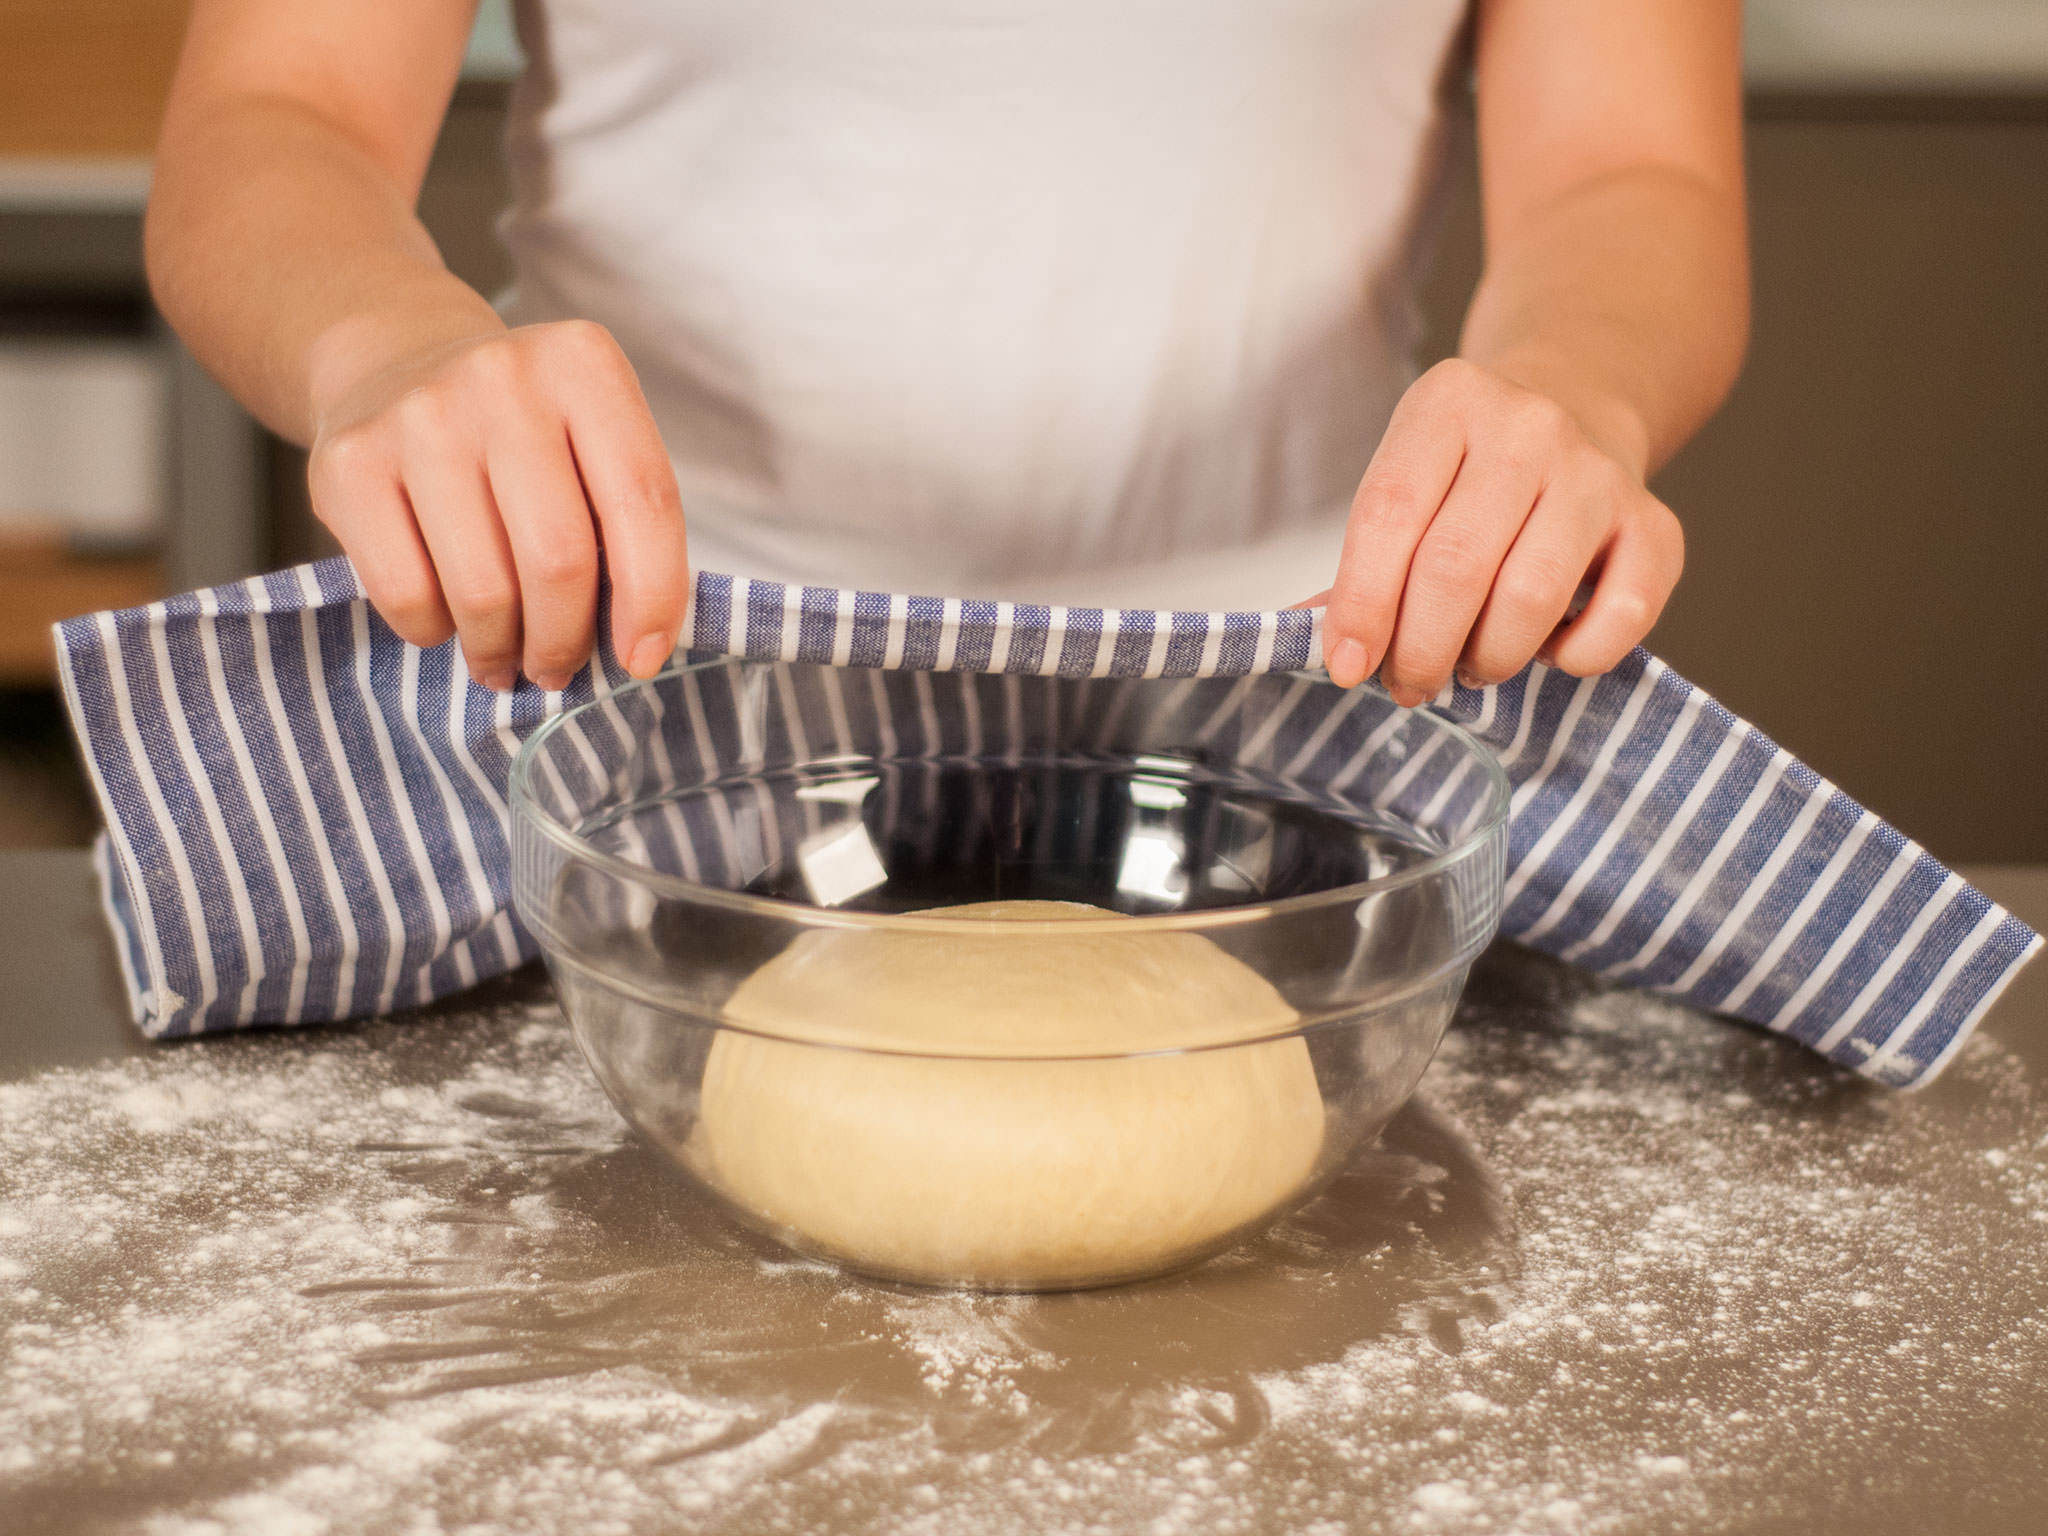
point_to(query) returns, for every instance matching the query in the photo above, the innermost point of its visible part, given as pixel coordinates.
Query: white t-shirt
(1070, 300)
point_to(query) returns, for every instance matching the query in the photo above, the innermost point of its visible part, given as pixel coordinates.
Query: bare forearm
(290, 261)
(468, 470)
(1626, 300)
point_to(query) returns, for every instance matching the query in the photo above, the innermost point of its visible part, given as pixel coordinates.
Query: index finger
(1411, 472)
(631, 487)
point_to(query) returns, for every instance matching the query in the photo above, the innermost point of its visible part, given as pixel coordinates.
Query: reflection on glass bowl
(790, 913)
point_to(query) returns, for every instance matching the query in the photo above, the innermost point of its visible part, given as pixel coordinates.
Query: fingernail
(553, 682)
(1467, 680)
(503, 680)
(1546, 657)
(1347, 663)
(649, 655)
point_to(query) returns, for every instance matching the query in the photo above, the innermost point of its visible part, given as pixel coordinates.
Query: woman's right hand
(470, 471)
(473, 481)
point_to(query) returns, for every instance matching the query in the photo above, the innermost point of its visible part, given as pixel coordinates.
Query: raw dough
(1031, 1171)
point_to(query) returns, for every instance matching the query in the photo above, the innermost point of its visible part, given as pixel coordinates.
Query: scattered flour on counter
(1626, 1268)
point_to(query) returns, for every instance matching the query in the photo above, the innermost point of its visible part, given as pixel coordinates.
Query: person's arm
(1609, 323)
(467, 469)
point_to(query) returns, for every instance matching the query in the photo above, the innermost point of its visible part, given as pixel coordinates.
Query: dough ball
(1038, 1172)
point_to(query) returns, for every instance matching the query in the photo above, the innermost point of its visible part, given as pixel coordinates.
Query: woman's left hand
(1485, 507)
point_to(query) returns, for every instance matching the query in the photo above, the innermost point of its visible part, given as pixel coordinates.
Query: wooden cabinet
(42, 581)
(82, 86)
(85, 77)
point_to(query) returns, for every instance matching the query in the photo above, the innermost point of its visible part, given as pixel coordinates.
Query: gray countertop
(1620, 1267)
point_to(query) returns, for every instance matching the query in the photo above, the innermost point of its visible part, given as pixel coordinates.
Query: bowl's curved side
(1185, 1160)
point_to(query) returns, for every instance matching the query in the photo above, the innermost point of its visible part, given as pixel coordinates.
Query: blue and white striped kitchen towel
(292, 793)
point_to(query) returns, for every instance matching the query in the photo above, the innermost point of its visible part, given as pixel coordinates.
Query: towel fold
(306, 817)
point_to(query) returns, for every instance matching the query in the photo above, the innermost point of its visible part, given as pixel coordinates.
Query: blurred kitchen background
(1868, 518)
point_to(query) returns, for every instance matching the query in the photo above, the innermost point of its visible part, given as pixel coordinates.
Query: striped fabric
(767, 621)
(307, 817)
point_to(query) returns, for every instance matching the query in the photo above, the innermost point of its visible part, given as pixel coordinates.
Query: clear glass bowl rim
(525, 808)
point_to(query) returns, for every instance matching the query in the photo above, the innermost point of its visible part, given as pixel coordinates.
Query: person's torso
(944, 291)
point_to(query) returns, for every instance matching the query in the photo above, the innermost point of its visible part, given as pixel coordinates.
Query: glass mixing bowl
(1260, 899)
